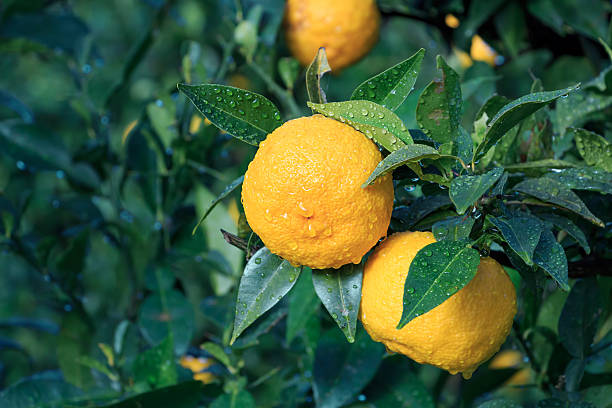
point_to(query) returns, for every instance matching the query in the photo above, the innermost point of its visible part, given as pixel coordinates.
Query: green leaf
(226, 191)
(538, 166)
(453, 228)
(165, 313)
(91, 362)
(574, 371)
(391, 87)
(376, 122)
(551, 191)
(512, 28)
(569, 227)
(288, 70)
(579, 318)
(550, 256)
(341, 369)
(437, 272)
(74, 340)
(266, 279)
(513, 113)
(600, 396)
(38, 151)
(303, 304)
(155, 366)
(39, 391)
(521, 232)
(217, 352)
(340, 292)
(396, 385)
(183, 395)
(243, 114)
(584, 178)
(419, 209)
(499, 403)
(575, 110)
(407, 154)
(239, 399)
(465, 190)
(492, 105)
(315, 71)
(595, 150)
(439, 108)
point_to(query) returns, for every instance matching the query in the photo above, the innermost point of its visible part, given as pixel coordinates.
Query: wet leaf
(579, 318)
(391, 87)
(155, 367)
(584, 178)
(556, 193)
(226, 191)
(407, 154)
(437, 272)
(396, 385)
(521, 232)
(419, 209)
(513, 113)
(340, 292)
(315, 71)
(439, 108)
(595, 150)
(550, 256)
(376, 122)
(245, 115)
(453, 228)
(266, 279)
(164, 313)
(568, 226)
(465, 190)
(303, 304)
(538, 166)
(575, 110)
(341, 369)
(491, 106)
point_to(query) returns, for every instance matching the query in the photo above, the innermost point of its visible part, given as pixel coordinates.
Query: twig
(138, 52)
(284, 95)
(525, 347)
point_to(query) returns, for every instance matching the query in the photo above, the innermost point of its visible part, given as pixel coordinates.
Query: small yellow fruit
(464, 59)
(512, 359)
(451, 21)
(458, 335)
(196, 365)
(346, 28)
(195, 123)
(302, 193)
(481, 51)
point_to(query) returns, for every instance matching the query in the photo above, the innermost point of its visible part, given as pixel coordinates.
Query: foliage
(115, 186)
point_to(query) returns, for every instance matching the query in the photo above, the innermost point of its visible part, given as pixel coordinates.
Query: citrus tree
(331, 204)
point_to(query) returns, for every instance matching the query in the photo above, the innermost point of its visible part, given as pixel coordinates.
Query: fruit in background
(348, 29)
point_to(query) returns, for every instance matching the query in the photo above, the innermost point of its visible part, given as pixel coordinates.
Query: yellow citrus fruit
(451, 21)
(463, 57)
(512, 359)
(346, 28)
(302, 193)
(481, 51)
(459, 334)
(196, 365)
